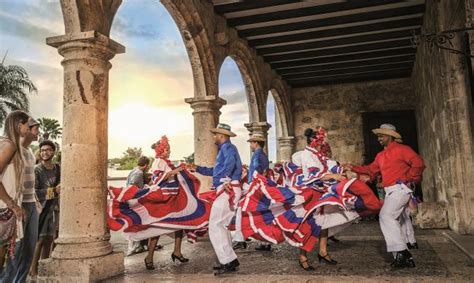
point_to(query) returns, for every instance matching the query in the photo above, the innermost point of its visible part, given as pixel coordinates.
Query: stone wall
(444, 115)
(339, 109)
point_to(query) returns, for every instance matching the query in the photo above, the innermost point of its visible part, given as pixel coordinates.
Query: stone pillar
(206, 116)
(432, 215)
(285, 148)
(261, 128)
(83, 252)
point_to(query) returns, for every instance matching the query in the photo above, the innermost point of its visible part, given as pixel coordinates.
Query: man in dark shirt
(137, 178)
(47, 179)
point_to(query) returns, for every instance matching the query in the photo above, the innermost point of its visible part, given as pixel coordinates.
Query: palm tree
(15, 85)
(50, 128)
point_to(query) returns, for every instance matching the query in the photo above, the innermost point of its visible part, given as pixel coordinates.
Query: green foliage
(189, 159)
(129, 159)
(50, 128)
(15, 86)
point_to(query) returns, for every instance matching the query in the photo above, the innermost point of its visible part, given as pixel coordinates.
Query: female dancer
(318, 200)
(169, 204)
(162, 171)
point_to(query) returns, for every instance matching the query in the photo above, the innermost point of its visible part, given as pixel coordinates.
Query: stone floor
(361, 255)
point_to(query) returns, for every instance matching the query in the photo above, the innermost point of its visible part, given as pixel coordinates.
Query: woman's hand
(18, 211)
(177, 170)
(173, 173)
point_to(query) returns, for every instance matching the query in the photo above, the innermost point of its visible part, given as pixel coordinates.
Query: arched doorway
(235, 112)
(149, 83)
(272, 116)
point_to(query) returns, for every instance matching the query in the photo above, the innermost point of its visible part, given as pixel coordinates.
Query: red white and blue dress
(299, 209)
(168, 205)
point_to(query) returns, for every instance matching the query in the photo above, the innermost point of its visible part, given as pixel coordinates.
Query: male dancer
(259, 163)
(226, 176)
(398, 164)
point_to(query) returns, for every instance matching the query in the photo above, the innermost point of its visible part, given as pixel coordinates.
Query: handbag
(7, 225)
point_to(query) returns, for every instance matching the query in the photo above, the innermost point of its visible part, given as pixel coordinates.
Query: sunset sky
(148, 84)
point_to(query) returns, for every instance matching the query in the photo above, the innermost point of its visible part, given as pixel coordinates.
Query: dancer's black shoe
(403, 259)
(326, 259)
(413, 246)
(228, 267)
(305, 265)
(262, 247)
(240, 246)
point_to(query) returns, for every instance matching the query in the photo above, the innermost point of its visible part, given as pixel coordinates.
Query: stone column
(83, 251)
(206, 116)
(285, 148)
(261, 128)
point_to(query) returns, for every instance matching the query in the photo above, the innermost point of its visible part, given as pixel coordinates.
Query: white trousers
(237, 235)
(395, 220)
(407, 226)
(220, 218)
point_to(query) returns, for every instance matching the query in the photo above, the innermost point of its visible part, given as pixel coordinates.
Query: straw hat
(389, 130)
(256, 137)
(223, 129)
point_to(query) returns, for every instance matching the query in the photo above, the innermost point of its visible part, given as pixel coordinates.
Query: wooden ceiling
(319, 42)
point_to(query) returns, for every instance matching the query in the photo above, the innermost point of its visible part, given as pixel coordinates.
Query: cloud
(14, 26)
(128, 28)
(49, 82)
(237, 97)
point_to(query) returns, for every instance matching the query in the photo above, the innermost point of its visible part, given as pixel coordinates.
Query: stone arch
(242, 56)
(198, 46)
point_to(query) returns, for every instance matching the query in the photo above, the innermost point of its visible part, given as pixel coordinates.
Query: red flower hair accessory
(161, 145)
(320, 138)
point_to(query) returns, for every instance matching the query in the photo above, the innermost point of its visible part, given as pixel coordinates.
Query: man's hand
(364, 178)
(339, 177)
(191, 167)
(58, 189)
(228, 187)
(348, 166)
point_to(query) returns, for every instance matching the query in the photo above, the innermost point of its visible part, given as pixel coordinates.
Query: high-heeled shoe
(308, 268)
(181, 258)
(326, 260)
(149, 265)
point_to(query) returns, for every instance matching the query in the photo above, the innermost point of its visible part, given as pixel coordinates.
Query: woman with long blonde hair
(11, 170)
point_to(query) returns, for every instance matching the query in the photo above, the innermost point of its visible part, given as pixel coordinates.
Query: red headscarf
(161, 146)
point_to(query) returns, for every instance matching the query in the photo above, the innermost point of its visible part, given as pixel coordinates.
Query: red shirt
(397, 162)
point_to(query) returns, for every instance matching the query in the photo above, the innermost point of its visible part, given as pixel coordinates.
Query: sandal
(149, 265)
(327, 259)
(181, 258)
(308, 267)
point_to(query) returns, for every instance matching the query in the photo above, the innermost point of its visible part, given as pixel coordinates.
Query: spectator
(47, 180)
(19, 265)
(11, 169)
